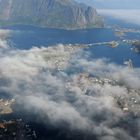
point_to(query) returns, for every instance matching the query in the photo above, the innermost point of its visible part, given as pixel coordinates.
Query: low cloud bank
(3, 35)
(61, 86)
(129, 16)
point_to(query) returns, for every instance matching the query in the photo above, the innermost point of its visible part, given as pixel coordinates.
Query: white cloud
(129, 16)
(3, 35)
(70, 100)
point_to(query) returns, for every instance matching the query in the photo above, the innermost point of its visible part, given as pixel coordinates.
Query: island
(64, 14)
(136, 45)
(6, 106)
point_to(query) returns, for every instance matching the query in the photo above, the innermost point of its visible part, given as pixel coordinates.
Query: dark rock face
(50, 13)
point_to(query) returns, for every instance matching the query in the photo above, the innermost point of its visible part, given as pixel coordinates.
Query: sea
(26, 37)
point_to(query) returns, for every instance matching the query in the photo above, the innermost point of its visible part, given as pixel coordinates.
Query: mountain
(66, 14)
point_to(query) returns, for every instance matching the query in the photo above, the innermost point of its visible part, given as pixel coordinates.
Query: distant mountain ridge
(66, 14)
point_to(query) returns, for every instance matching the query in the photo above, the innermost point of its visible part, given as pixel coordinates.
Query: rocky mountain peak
(66, 14)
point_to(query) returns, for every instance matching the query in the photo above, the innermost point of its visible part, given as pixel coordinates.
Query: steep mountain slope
(50, 13)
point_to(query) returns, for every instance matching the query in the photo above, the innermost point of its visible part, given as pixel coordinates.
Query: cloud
(129, 16)
(60, 86)
(3, 35)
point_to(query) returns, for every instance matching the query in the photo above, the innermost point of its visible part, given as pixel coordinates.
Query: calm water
(118, 55)
(25, 37)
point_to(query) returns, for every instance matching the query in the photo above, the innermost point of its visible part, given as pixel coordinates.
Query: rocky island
(136, 45)
(66, 14)
(6, 106)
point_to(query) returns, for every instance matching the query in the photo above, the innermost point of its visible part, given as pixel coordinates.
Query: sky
(113, 4)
